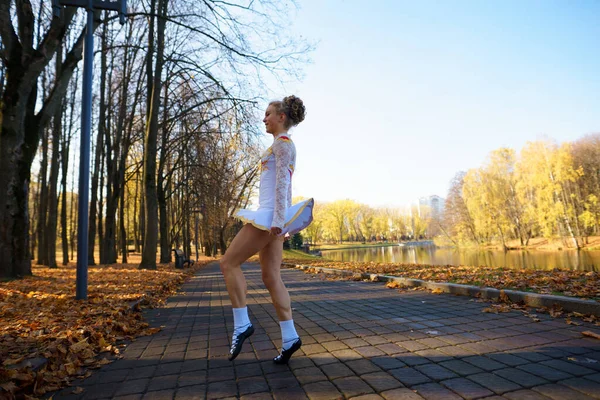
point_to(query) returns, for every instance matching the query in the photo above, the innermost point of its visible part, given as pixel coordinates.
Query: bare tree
(51, 223)
(22, 126)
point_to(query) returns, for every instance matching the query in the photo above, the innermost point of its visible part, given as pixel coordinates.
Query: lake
(582, 260)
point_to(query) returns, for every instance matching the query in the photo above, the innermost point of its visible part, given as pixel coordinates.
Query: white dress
(275, 207)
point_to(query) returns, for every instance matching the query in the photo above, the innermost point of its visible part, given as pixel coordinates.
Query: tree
(337, 217)
(586, 155)
(297, 241)
(21, 126)
(51, 223)
(314, 232)
(457, 217)
(547, 174)
(151, 136)
(203, 62)
(491, 198)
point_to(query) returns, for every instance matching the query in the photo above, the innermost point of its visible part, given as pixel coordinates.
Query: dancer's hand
(275, 231)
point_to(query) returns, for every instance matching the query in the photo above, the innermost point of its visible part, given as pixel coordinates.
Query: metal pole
(84, 166)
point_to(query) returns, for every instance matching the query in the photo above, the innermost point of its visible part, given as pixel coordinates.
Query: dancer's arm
(283, 150)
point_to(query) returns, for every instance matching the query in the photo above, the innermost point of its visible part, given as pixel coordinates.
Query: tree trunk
(32, 236)
(16, 155)
(207, 248)
(15, 261)
(63, 202)
(51, 224)
(43, 203)
(196, 233)
(65, 168)
(20, 126)
(136, 235)
(150, 148)
(100, 202)
(123, 234)
(97, 160)
(165, 251)
(142, 216)
(222, 244)
(74, 206)
(108, 246)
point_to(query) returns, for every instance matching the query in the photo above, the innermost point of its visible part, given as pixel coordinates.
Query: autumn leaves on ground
(40, 320)
(567, 283)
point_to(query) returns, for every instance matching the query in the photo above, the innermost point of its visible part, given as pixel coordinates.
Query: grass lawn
(297, 254)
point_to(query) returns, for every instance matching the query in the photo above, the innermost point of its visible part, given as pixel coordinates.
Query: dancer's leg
(246, 243)
(270, 263)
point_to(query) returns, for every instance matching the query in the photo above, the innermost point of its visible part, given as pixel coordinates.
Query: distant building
(435, 204)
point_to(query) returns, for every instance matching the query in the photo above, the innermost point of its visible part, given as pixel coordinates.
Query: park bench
(181, 259)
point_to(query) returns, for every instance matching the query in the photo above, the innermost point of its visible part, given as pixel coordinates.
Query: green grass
(297, 254)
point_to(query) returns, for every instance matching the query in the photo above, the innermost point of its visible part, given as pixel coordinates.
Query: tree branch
(25, 18)
(7, 31)
(62, 81)
(51, 41)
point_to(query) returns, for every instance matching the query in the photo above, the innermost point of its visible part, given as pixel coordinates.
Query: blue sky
(401, 95)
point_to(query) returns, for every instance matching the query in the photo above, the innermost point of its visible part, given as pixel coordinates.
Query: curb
(568, 304)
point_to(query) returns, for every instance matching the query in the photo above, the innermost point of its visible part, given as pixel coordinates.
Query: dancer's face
(273, 120)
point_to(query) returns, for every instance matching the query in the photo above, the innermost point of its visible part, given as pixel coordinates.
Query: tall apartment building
(435, 203)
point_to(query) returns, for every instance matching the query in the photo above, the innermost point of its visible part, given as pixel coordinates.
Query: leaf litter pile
(47, 338)
(560, 282)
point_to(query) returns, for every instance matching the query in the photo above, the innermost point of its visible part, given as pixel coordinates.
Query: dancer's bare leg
(270, 265)
(246, 243)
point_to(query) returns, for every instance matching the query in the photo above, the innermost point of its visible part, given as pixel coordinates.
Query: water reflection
(533, 259)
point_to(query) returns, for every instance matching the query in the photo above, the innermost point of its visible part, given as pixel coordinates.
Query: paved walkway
(361, 341)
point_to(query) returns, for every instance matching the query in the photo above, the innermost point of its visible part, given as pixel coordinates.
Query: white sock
(288, 334)
(240, 320)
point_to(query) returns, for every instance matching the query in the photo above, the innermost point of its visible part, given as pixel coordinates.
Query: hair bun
(295, 109)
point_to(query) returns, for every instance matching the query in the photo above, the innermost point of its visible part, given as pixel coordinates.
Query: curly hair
(293, 108)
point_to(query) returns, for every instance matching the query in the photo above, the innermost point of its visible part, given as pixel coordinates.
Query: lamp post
(86, 121)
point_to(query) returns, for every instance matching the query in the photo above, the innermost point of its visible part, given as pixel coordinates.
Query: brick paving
(361, 341)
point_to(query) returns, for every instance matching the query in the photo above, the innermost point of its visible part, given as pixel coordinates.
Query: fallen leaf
(12, 361)
(43, 326)
(591, 334)
(556, 311)
(10, 387)
(24, 377)
(78, 390)
(79, 346)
